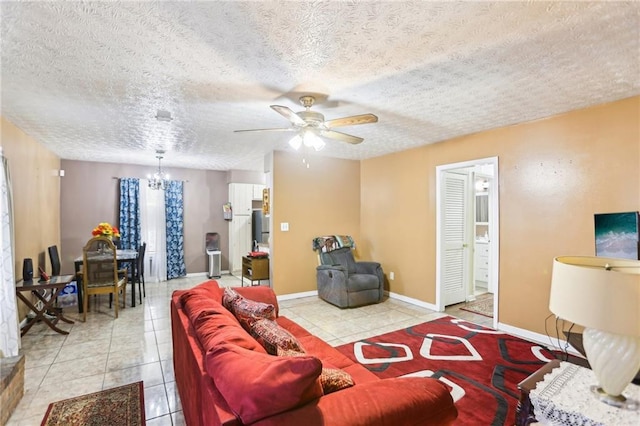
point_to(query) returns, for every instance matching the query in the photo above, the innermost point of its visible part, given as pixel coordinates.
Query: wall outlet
(392, 275)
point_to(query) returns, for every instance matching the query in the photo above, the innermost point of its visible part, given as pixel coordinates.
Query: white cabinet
(239, 241)
(257, 192)
(481, 261)
(240, 196)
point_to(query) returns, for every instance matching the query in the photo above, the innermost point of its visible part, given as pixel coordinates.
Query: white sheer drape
(9, 328)
(154, 232)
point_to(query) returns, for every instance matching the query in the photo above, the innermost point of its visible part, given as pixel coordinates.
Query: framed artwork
(617, 235)
(265, 201)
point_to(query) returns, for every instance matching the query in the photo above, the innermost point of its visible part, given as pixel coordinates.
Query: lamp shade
(597, 292)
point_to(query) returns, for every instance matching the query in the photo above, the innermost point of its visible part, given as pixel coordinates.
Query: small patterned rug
(122, 406)
(482, 307)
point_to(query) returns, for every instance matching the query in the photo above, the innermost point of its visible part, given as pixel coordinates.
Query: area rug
(481, 307)
(122, 406)
(482, 367)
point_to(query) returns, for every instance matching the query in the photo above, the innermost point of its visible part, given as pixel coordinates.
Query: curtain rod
(177, 180)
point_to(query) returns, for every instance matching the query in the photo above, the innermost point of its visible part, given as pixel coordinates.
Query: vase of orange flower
(105, 229)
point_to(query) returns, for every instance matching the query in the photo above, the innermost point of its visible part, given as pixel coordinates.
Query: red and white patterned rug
(481, 366)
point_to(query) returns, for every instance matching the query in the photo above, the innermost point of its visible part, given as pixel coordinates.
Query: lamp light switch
(284, 226)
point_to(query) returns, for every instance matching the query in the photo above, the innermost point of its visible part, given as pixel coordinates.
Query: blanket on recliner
(329, 243)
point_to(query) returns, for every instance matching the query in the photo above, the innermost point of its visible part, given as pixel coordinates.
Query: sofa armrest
(331, 268)
(367, 267)
(388, 402)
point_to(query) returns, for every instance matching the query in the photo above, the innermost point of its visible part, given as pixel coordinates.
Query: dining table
(123, 256)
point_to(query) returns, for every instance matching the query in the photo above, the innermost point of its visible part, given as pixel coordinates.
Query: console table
(55, 284)
(255, 269)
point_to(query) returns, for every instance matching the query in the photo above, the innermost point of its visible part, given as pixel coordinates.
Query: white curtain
(9, 328)
(154, 232)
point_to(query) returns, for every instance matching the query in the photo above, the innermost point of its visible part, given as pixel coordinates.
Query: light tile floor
(103, 352)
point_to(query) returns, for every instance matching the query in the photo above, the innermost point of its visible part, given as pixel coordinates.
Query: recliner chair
(346, 283)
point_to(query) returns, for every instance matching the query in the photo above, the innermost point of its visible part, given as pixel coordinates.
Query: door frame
(494, 229)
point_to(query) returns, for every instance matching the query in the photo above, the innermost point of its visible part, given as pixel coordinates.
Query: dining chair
(54, 257)
(100, 274)
(143, 250)
(138, 277)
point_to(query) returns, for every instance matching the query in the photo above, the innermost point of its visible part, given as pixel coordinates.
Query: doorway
(467, 233)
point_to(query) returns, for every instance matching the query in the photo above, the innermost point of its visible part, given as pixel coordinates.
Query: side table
(561, 395)
(55, 284)
(524, 409)
(255, 269)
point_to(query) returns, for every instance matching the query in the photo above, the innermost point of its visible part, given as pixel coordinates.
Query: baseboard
(196, 274)
(204, 274)
(389, 294)
(411, 300)
(541, 339)
(297, 295)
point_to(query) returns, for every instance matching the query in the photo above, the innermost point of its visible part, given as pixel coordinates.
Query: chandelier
(159, 178)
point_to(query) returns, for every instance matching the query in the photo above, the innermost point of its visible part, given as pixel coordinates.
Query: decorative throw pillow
(257, 385)
(289, 352)
(332, 379)
(229, 297)
(247, 311)
(273, 337)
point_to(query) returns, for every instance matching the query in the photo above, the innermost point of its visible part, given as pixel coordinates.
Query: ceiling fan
(311, 125)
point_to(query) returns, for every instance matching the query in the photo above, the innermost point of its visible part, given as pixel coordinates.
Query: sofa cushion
(206, 290)
(216, 326)
(271, 336)
(245, 310)
(258, 385)
(196, 306)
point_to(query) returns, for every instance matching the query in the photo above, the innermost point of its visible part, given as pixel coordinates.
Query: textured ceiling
(87, 78)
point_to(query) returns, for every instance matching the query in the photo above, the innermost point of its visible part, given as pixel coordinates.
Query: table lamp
(603, 295)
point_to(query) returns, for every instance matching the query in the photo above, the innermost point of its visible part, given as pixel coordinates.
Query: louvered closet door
(455, 271)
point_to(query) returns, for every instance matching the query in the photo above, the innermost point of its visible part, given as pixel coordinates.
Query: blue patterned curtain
(130, 213)
(174, 206)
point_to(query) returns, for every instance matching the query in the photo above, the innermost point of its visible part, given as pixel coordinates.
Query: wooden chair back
(100, 272)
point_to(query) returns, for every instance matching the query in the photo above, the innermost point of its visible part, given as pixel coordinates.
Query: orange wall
(321, 200)
(554, 175)
(36, 198)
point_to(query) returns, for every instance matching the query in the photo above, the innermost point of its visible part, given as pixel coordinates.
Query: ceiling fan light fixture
(295, 142)
(312, 140)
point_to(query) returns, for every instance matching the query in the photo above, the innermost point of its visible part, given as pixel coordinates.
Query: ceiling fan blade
(339, 136)
(288, 113)
(267, 130)
(351, 121)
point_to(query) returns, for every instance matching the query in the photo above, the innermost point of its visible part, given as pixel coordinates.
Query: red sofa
(203, 331)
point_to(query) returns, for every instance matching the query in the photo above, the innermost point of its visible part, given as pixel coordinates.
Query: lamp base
(619, 401)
